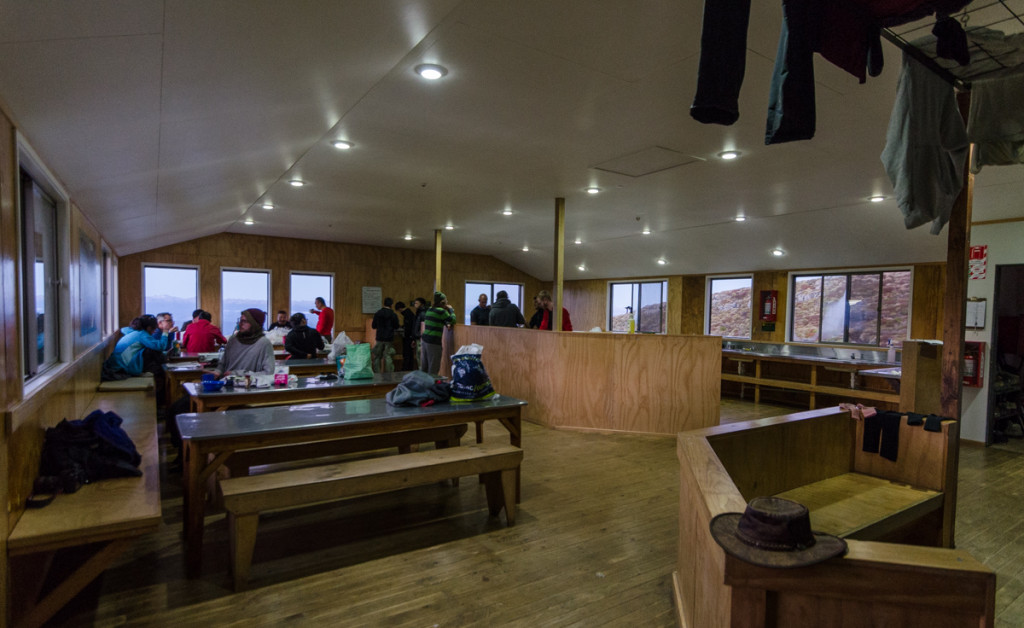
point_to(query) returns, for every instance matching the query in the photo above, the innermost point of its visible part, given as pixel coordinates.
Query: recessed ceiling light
(581, 267)
(506, 212)
(661, 261)
(876, 198)
(431, 71)
(297, 183)
(741, 218)
(593, 190)
(249, 221)
(341, 144)
(408, 236)
(778, 252)
(577, 241)
(525, 248)
(267, 206)
(646, 231)
(729, 154)
(449, 227)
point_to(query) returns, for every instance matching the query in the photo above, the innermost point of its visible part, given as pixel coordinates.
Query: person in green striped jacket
(434, 322)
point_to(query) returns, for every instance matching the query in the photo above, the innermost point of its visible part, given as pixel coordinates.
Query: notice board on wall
(373, 299)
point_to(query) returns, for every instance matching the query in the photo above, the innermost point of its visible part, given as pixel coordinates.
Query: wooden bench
(246, 497)
(107, 515)
(816, 458)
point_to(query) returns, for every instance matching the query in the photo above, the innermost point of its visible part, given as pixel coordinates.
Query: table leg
(194, 508)
(514, 425)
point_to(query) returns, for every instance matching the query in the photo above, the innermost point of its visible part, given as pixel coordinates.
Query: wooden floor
(594, 545)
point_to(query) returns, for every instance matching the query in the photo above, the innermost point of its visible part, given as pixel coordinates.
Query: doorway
(1005, 393)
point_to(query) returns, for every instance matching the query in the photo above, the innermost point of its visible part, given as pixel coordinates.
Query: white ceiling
(169, 120)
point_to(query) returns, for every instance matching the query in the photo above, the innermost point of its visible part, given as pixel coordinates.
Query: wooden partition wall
(615, 382)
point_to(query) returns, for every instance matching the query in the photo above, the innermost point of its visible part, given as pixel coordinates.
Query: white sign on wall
(373, 299)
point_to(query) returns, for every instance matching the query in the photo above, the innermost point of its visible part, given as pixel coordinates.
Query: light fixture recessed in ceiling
(729, 154)
(431, 71)
(249, 221)
(408, 236)
(342, 144)
(740, 219)
(593, 190)
(878, 198)
(577, 241)
(449, 227)
(526, 248)
(646, 231)
(778, 252)
(298, 183)
(662, 261)
(506, 212)
(267, 206)
(581, 267)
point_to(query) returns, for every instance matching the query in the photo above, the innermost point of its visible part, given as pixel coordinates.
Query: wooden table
(308, 390)
(178, 373)
(309, 366)
(184, 356)
(209, 439)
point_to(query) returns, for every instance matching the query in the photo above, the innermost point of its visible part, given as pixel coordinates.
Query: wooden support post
(437, 260)
(556, 292)
(955, 306)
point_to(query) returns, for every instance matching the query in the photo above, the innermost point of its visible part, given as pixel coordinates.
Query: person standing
(202, 336)
(325, 318)
(385, 321)
(421, 312)
(249, 349)
(408, 335)
(547, 305)
(505, 313)
(435, 319)
(302, 342)
(481, 313)
(538, 314)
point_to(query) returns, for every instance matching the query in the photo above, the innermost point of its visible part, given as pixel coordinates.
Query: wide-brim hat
(774, 532)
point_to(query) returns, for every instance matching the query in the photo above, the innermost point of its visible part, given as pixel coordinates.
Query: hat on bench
(774, 532)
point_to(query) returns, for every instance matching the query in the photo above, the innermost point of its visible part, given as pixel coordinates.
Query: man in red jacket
(546, 306)
(202, 336)
(325, 318)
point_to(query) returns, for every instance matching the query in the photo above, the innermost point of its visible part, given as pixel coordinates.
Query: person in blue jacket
(130, 356)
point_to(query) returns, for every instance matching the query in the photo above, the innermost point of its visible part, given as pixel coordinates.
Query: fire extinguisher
(970, 366)
(769, 305)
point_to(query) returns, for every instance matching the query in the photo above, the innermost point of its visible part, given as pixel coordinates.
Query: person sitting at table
(167, 329)
(139, 351)
(302, 342)
(282, 321)
(202, 336)
(248, 349)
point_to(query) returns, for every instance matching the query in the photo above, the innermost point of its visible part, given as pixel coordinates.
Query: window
(41, 277)
(729, 306)
(241, 290)
(863, 308)
(108, 274)
(647, 300)
(173, 289)
(306, 287)
(475, 288)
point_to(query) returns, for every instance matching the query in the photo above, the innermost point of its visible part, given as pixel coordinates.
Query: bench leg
(242, 531)
(501, 492)
(445, 444)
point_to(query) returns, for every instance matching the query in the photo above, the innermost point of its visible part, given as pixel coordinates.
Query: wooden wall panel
(929, 295)
(10, 366)
(770, 280)
(616, 382)
(587, 302)
(691, 306)
(403, 274)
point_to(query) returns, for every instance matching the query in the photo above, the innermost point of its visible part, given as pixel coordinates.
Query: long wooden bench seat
(246, 497)
(108, 515)
(816, 458)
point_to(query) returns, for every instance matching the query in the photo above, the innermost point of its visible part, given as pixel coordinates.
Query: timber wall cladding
(10, 386)
(403, 274)
(633, 383)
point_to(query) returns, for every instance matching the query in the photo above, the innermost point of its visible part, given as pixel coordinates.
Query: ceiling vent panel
(646, 161)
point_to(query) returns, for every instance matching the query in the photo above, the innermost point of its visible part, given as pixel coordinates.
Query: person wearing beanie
(434, 321)
(249, 349)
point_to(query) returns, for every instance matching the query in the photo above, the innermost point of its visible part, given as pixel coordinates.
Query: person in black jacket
(408, 335)
(302, 342)
(385, 321)
(504, 312)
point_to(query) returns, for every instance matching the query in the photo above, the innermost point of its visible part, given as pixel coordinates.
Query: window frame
(270, 288)
(490, 297)
(329, 296)
(849, 273)
(29, 162)
(636, 314)
(146, 265)
(707, 302)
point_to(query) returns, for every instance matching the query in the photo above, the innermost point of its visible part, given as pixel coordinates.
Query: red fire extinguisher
(769, 305)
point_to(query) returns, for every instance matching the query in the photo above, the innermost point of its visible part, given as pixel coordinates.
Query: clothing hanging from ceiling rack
(996, 121)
